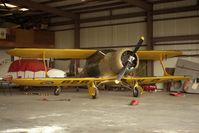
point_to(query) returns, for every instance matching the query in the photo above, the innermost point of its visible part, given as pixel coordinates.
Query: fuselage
(106, 63)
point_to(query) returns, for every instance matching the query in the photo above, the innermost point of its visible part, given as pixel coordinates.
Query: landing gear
(25, 88)
(57, 91)
(137, 91)
(93, 90)
(96, 94)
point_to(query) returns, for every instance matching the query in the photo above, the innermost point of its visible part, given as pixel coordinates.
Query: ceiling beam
(103, 18)
(89, 3)
(176, 38)
(105, 8)
(140, 3)
(129, 15)
(97, 6)
(44, 8)
(74, 4)
(165, 1)
(52, 1)
(88, 9)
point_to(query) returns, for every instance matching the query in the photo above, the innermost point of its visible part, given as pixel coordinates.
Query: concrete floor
(110, 113)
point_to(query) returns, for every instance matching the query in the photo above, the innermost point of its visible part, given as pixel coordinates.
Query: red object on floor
(150, 87)
(44, 99)
(134, 102)
(177, 94)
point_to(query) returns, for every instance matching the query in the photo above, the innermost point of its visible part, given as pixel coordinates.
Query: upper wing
(157, 54)
(83, 53)
(153, 80)
(51, 53)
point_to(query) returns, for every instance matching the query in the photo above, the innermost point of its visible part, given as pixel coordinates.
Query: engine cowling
(113, 62)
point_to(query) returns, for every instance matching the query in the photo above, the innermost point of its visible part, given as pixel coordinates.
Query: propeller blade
(138, 44)
(121, 74)
(124, 68)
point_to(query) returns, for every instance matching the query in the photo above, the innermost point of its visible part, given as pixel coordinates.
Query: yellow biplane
(102, 67)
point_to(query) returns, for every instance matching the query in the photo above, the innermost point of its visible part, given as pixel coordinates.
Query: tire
(137, 91)
(96, 94)
(57, 91)
(24, 88)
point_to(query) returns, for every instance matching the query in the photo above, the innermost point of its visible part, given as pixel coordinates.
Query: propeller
(129, 61)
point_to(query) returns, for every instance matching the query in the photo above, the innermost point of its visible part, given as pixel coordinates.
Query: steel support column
(149, 40)
(77, 42)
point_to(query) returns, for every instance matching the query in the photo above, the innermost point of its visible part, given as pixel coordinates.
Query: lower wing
(57, 81)
(85, 81)
(153, 80)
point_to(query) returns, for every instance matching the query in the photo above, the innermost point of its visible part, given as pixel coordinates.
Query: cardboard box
(184, 64)
(187, 68)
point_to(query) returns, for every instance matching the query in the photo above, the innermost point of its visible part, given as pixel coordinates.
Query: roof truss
(140, 3)
(44, 8)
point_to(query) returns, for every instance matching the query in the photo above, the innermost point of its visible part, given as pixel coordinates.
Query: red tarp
(26, 65)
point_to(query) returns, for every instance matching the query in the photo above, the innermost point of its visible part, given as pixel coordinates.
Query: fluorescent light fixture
(8, 5)
(23, 9)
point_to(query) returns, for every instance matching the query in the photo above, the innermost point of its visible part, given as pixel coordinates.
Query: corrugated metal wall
(120, 34)
(64, 39)
(176, 27)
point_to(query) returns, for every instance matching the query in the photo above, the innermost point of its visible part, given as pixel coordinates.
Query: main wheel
(137, 91)
(96, 94)
(57, 91)
(24, 88)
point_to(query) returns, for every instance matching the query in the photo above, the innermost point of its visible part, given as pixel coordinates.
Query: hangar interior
(101, 24)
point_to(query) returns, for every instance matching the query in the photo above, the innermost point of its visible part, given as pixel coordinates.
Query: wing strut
(163, 67)
(44, 58)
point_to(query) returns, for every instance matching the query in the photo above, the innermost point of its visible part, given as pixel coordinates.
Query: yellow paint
(57, 81)
(152, 80)
(44, 58)
(86, 81)
(91, 88)
(51, 53)
(157, 54)
(89, 82)
(139, 87)
(163, 67)
(83, 53)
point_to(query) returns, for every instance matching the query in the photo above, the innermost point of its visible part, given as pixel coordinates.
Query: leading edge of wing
(57, 81)
(86, 80)
(158, 79)
(51, 53)
(157, 54)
